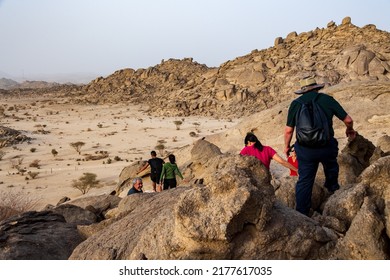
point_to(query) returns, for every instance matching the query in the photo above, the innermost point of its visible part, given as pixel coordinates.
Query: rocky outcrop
(235, 203)
(231, 212)
(382, 148)
(9, 136)
(37, 236)
(337, 55)
(354, 158)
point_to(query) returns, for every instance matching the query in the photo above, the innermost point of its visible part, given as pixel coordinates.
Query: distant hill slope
(7, 83)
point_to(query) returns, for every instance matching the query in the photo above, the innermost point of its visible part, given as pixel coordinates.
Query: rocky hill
(7, 83)
(337, 55)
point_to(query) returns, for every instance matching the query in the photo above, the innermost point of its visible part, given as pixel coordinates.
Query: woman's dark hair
(172, 159)
(250, 137)
(292, 148)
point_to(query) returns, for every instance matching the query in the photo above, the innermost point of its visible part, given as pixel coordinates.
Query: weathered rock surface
(354, 158)
(210, 221)
(231, 212)
(37, 236)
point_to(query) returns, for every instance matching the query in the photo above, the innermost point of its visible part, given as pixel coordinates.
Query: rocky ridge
(337, 55)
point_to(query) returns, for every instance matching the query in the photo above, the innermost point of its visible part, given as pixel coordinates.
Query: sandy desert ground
(126, 132)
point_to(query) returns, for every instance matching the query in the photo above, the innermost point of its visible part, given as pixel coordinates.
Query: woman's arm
(177, 171)
(283, 162)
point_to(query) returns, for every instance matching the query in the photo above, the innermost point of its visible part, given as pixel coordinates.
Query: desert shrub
(16, 162)
(160, 148)
(14, 203)
(178, 124)
(117, 158)
(32, 175)
(193, 134)
(54, 152)
(35, 163)
(77, 145)
(99, 155)
(21, 170)
(86, 182)
(40, 129)
(33, 150)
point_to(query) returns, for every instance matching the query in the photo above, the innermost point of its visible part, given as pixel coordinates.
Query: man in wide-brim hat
(310, 157)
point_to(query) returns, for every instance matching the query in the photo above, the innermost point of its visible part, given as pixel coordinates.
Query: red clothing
(293, 163)
(264, 156)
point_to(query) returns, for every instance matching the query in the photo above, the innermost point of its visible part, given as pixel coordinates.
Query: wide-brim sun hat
(308, 84)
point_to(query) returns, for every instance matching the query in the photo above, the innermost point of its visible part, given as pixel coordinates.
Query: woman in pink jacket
(265, 154)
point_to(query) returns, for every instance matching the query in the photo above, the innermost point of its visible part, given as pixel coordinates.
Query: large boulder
(37, 236)
(128, 173)
(285, 192)
(382, 148)
(288, 235)
(366, 238)
(354, 158)
(376, 178)
(76, 215)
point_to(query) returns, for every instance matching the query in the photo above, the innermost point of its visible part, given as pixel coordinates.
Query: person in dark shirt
(309, 157)
(137, 186)
(156, 165)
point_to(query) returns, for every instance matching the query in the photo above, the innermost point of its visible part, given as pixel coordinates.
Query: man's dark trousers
(308, 161)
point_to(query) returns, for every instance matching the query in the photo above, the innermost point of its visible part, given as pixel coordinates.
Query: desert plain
(124, 133)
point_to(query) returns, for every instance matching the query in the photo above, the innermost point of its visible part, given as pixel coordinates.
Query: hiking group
(162, 174)
(310, 116)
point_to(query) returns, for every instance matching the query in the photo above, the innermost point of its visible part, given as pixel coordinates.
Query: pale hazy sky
(44, 38)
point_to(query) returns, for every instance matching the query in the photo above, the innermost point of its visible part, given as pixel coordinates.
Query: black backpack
(311, 123)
